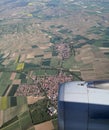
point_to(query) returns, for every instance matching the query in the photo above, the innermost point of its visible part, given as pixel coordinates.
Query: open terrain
(45, 126)
(47, 42)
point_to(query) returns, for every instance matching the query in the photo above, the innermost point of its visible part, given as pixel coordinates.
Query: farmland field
(13, 126)
(20, 66)
(4, 103)
(23, 123)
(4, 82)
(44, 43)
(18, 113)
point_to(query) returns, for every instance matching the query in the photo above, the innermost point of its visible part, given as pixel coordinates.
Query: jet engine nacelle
(83, 105)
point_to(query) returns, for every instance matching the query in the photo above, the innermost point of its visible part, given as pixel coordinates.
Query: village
(44, 86)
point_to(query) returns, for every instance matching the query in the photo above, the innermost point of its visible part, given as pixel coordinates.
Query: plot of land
(3, 103)
(13, 75)
(4, 82)
(45, 126)
(17, 81)
(32, 100)
(47, 55)
(95, 64)
(1, 118)
(20, 66)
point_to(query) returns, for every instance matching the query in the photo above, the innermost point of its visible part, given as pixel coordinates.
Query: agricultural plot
(12, 126)
(13, 90)
(107, 54)
(15, 113)
(17, 59)
(88, 75)
(21, 100)
(39, 72)
(10, 29)
(70, 63)
(46, 62)
(20, 66)
(23, 123)
(32, 99)
(7, 102)
(95, 30)
(31, 128)
(17, 75)
(23, 78)
(51, 72)
(29, 66)
(45, 126)
(95, 64)
(40, 109)
(13, 75)
(4, 82)
(4, 103)
(55, 62)
(25, 120)
(103, 36)
(17, 81)
(11, 65)
(42, 72)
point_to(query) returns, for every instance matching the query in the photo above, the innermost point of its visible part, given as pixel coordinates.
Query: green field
(70, 63)
(55, 62)
(39, 72)
(42, 72)
(51, 72)
(13, 90)
(23, 123)
(21, 100)
(16, 27)
(12, 65)
(39, 111)
(23, 78)
(25, 120)
(18, 112)
(7, 102)
(13, 126)
(4, 82)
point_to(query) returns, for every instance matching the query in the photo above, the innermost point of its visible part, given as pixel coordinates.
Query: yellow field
(3, 103)
(29, 15)
(20, 66)
(30, 4)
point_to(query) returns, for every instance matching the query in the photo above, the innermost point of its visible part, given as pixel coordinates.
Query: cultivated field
(95, 63)
(45, 126)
